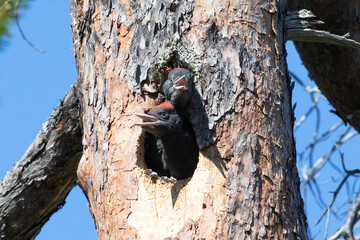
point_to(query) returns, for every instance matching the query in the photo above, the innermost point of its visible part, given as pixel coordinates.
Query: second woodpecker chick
(178, 88)
(180, 150)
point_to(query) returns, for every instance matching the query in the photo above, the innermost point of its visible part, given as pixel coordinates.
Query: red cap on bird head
(162, 105)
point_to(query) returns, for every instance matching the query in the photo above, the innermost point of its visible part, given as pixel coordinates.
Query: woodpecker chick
(180, 150)
(178, 88)
(153, 155)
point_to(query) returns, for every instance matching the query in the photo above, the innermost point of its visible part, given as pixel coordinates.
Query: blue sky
(32, 84)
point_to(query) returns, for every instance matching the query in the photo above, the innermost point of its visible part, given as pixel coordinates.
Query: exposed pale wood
(39, 182)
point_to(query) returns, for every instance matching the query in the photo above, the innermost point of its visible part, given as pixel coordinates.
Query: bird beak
(148, 119)
(181, 84)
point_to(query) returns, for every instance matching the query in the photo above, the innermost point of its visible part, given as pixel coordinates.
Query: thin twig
(341, 207)
(346, 231)
(306, 115)
(21, 31)
(318, 197)
(334, 198)
(327, 224)
(321, 161)
(354, 187)
(307, 88)
(328, 208)
(309, 174)
(315, 100)
(324, 135)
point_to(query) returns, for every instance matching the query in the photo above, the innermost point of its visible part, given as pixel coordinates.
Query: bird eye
(164, 115)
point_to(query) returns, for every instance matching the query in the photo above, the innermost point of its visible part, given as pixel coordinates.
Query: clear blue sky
(32, 84)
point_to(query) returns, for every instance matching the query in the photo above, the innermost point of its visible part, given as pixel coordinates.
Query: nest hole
(153, 156)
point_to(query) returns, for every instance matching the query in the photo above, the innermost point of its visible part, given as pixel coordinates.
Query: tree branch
(39, 182)
(346, 231)
(300, 28)
(334, 68)
(16, 17)
(315, 168)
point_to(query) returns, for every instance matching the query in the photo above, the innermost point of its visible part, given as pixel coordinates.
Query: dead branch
(300, 27)
(346, 231)
(39, 182)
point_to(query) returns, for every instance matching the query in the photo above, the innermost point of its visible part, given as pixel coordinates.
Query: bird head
(181, 84)
(178, 85)
(161, 120)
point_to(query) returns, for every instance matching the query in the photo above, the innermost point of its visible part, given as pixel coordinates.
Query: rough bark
(335, 69)
(39, 182)
(246, 184)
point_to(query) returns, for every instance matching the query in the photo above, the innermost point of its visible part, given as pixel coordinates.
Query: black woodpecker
(180, 150)
(178, 88)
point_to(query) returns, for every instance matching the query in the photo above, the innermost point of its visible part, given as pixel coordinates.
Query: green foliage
(8, 10)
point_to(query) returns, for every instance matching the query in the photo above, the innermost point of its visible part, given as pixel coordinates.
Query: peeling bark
(39, 182)
(335, 69)
(246, 185)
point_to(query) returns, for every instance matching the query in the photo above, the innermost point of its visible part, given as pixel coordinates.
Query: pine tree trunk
(246, 185)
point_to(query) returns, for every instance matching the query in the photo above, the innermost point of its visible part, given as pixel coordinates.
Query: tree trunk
(246, 184)
(335, 69)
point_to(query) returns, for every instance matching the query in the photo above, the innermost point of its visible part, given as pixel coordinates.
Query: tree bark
(335, 69)
(246, 184)
(39, 182)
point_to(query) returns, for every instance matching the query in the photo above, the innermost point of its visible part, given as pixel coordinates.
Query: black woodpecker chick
(180, 150)
(178, 88)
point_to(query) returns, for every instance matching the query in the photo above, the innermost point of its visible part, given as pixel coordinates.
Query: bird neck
(172, 140)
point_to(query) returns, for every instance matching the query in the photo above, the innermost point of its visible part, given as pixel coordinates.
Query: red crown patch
(162, 105)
